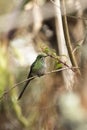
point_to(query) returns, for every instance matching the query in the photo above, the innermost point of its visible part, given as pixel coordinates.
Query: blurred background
(57, 101)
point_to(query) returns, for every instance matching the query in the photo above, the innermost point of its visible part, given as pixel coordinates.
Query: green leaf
(58, 65)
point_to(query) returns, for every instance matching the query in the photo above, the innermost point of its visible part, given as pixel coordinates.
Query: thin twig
(67, 38)
(56, 58)
(6, 92)
(76, 17)
(47, 73)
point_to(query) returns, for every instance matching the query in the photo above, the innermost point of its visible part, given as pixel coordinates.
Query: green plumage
(37, 68)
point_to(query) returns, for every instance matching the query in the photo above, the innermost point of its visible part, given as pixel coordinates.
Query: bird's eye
(40, 57)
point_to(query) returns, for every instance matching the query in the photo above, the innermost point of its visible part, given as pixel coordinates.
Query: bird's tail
(24, 89)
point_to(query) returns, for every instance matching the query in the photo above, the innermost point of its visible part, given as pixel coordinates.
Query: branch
(67, 37)
(47, 73)
(58, 59)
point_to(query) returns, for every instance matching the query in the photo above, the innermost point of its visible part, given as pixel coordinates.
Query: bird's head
(41, 56)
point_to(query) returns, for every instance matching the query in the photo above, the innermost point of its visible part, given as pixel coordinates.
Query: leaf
(58, 65)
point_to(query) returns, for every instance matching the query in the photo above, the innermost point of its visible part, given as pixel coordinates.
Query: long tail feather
(29, 75)
(23, 89)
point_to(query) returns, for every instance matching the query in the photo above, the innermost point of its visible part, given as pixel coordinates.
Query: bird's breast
(42, 69)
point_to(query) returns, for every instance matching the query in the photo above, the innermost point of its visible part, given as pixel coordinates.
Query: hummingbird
(37, 69)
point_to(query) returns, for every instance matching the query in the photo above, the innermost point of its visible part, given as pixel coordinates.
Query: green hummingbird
(37, 68)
